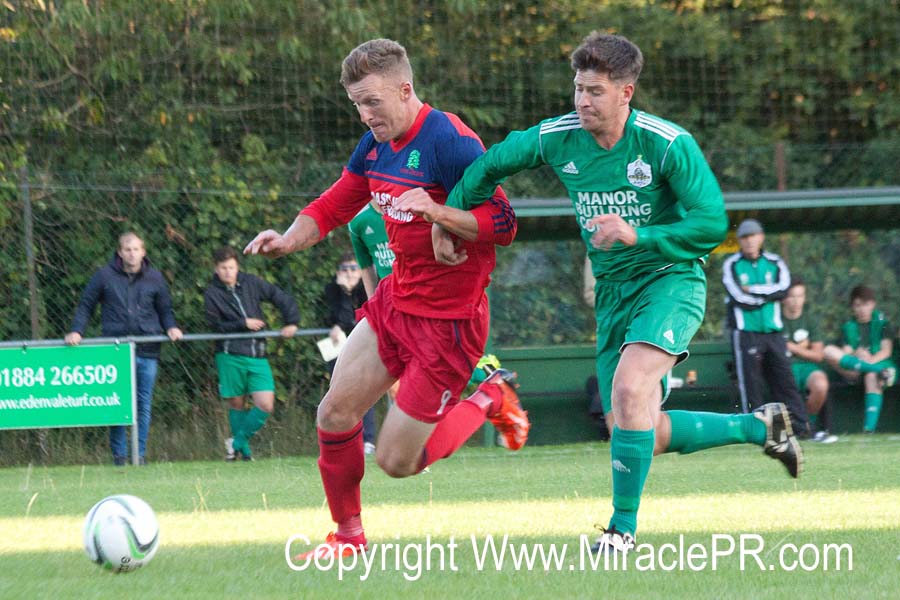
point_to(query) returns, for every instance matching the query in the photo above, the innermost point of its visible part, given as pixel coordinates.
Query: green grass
(224, 526)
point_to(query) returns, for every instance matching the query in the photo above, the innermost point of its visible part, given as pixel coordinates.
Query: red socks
(342, 466)
(461, 422)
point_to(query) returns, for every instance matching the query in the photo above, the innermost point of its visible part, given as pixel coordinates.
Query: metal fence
(198, 124)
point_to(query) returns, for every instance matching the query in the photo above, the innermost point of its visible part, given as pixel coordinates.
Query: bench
(552, 380)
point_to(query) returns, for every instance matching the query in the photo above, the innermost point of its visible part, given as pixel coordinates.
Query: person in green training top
(370, 246)
(866, 349)
(755, 281)
(649, 209)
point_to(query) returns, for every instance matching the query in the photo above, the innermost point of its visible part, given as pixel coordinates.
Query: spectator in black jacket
(135, 300)
(234, 305)
(343, 297)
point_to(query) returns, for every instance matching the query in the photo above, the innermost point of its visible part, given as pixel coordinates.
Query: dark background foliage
(197, 123)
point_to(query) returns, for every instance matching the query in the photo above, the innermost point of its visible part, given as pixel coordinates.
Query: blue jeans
(145, 373)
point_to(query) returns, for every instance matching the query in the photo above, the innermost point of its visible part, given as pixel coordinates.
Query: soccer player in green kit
(649, 209)
(371, 246)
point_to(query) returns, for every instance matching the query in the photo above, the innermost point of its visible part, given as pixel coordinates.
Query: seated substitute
(234, 305)
(801, 334)
(865, 351)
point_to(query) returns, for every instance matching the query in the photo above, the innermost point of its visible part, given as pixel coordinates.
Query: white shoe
(229, 449)
(369, 448)
(824, 437)
(613, 540)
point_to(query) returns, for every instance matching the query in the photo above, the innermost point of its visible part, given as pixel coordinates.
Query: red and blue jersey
(432, 155)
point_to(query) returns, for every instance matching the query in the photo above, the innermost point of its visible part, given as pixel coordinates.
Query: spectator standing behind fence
(755, 280)
(134, 300)
(649, 209)
(866, 348)
(343, 297)
(807, 350)
(233, 302)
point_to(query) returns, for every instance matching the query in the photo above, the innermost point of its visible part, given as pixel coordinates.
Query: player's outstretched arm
(459, 222)
(302, 234)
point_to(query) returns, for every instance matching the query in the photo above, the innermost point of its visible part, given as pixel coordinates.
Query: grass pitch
(224, 527)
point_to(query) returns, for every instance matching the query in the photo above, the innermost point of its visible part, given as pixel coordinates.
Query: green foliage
(199, 123)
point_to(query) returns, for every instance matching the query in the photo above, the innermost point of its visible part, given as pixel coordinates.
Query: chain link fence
(69, 236)
(198, 124)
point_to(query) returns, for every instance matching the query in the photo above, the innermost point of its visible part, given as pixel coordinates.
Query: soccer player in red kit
(427, 323)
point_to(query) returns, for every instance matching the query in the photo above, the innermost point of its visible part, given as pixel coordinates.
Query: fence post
(28, 217)
(780, 166)
(25, 190)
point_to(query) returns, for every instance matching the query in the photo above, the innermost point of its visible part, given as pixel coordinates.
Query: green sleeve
(360, 250)
(705, 223)
(519, 151)
(849, 334)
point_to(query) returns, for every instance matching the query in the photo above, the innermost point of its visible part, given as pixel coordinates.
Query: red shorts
(432, 358)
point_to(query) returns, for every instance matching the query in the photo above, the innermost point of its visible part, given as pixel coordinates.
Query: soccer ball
(121, 533)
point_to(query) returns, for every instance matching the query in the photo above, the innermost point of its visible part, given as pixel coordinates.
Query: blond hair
(376, 57)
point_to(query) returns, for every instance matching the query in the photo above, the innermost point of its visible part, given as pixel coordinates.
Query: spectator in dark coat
(134, 299)
(234, 305)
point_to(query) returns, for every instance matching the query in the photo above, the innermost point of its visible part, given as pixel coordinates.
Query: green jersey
(370, 241)
(799, 330)
(655, 178)
(866, 335)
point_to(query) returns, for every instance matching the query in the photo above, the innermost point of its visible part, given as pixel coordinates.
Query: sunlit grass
(224, 526)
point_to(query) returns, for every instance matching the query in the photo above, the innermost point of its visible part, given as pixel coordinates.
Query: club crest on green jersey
(639, 173)
(800, 336)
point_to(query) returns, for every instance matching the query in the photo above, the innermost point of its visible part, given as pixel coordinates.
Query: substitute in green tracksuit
(755, 282)
(649, 210)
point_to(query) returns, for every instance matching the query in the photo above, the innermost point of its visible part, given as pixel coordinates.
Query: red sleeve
(338, 204)
(496, 220)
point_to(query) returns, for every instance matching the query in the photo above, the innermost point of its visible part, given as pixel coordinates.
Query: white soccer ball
(121, 533)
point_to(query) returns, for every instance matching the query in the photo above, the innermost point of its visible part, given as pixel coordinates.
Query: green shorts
(802, 370)
(663, 309)
(240, 375)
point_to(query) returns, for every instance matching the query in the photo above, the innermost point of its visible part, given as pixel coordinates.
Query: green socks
(693, 431)
(244, 425)
(851, 363)
(873, 411)
(631, 453)
(253, 421)
(236, 421)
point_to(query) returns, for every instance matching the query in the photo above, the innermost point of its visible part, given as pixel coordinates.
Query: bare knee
(817, 383)
(395, 465)
(833, 354)
(336, 415)
(629, 401)
(264, 401)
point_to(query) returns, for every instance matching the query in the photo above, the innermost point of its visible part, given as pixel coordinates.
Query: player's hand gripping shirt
(655, 178)
(432, 155)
